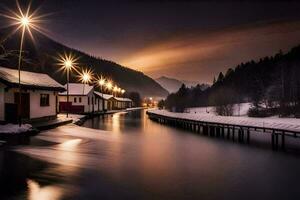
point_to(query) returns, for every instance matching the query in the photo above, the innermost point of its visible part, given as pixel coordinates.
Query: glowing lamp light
(101, 81)
(109, 85)
(68, 64)
(85, 76)
(122, 91)
(25, 21)
(115, 89)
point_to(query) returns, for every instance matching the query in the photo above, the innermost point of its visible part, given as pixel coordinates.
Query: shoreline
(7, 138)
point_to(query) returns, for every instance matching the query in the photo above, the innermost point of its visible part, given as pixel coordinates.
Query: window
(44, 100)
(75, 100)
(79, 99)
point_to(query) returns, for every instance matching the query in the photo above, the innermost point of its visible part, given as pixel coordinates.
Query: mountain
(42, 57)
(172, 85)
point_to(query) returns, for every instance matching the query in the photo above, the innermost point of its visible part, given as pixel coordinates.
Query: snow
(238, 109)
(134, 108)
(288, 124)
(105, 96)
(123, 99)
(74, 117)
(77, 89)
(14, 128)
(28, 78)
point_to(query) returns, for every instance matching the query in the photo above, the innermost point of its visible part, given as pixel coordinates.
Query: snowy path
(288, 124)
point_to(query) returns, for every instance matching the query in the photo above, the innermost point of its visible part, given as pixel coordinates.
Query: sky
(190, 40)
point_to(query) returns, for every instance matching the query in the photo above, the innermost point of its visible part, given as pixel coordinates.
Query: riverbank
(233, 128)
(12, 130)
(287, 124)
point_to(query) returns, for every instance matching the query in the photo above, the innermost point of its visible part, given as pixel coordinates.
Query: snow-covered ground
(74, 117)
(14, 128)
(238, 109)
(135, 108)
(289, 124)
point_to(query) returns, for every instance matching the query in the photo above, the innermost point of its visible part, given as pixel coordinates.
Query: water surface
(127, 156)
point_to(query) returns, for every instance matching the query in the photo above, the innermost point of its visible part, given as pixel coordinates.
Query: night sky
(191, 40)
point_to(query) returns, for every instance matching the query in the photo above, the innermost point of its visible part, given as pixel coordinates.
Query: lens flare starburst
(101, 81)
(67, 62)
(25, 19)
(109, 85)
(86, 76)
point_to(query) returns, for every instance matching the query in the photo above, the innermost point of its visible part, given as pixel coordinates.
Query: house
(38, 95)
(81, 99)
(107, 99)
(122, 103)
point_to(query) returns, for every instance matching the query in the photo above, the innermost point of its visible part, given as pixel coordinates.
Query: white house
(38, 95)
(107, 99)
(122, 103)
(114, 103)
(81, 99)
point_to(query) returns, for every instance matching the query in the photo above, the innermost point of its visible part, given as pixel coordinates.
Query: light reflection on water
(140, 159)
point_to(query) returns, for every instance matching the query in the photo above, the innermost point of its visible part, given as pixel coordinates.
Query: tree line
(271, 84)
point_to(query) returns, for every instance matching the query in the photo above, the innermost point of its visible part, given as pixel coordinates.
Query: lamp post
(68, 66)
(115, 90)
(67, 63)
(85, 78)
(101, 83)
(24, 22)
(109, 87)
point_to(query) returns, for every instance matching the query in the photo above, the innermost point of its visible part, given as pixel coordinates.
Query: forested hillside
(42, 57)
(272, 84)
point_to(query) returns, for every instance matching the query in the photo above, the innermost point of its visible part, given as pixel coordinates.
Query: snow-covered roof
(28, 79)
(123, 99)
(79, 89)
(105, 96)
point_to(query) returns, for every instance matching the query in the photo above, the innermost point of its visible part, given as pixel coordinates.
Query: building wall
(86, 101)
(37, 111)
(1, 102)
(99, 104)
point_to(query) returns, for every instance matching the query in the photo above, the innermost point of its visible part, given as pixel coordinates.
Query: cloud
(199, 55)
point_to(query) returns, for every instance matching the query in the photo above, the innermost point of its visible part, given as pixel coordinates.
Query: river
(128, 156)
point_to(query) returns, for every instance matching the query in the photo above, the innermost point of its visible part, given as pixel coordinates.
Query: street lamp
(85, 77)
(24, 21)
(109, 85)
(67, 62)
(123, 91)
(101, 83)
(115, 90)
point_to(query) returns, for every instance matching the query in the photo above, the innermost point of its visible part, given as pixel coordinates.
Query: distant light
(109, 85)
(122, 91)
(101, 81)
(115, 89)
